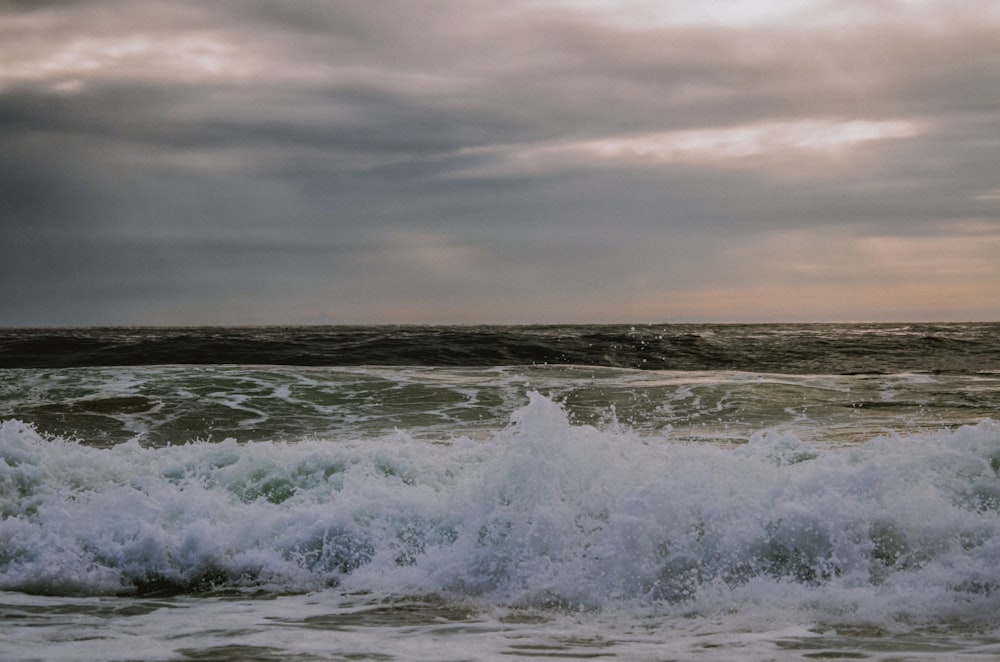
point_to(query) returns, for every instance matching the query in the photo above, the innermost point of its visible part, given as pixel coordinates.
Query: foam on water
(165, 405)
(544, 512)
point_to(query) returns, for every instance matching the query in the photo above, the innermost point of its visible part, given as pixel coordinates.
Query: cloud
(732, 147)
(480, 161)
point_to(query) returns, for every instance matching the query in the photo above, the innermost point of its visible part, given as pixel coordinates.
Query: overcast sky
(515, 161)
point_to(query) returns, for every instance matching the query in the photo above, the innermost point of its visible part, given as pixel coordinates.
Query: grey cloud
(326, 154)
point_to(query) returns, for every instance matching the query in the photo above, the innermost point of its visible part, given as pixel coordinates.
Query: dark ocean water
(650, 492)
(774, 348)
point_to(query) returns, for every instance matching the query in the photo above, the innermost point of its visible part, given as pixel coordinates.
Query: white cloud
(748, 14)
(167, 57)
(725, 147)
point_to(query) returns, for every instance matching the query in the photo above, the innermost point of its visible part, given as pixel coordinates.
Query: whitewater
(475, 511)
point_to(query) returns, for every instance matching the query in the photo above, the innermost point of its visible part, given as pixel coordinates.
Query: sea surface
(655, 492)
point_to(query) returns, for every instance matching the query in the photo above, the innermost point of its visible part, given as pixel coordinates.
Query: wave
(544, 512)
(952, 348)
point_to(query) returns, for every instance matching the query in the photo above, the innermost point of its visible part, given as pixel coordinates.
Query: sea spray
(543, 513)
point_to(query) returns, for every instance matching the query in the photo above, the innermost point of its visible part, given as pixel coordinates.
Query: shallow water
(331, 625)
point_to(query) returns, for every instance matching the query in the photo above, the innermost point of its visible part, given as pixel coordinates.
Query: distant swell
(776, 348)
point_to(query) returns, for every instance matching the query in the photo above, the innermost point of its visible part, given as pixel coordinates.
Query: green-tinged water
(163, 405)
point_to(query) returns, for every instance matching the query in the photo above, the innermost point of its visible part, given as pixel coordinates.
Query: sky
(477, 162)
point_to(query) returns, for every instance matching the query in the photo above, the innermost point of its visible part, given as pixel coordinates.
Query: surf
(543, 512)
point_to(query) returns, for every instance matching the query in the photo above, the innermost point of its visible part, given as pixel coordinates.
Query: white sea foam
(898, 530)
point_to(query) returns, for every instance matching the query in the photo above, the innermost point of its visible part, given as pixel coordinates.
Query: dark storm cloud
(400, 161)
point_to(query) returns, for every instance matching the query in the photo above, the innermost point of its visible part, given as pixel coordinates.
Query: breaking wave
(543, 512)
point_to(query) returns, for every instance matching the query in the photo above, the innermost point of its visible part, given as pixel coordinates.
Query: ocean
(653, 492)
